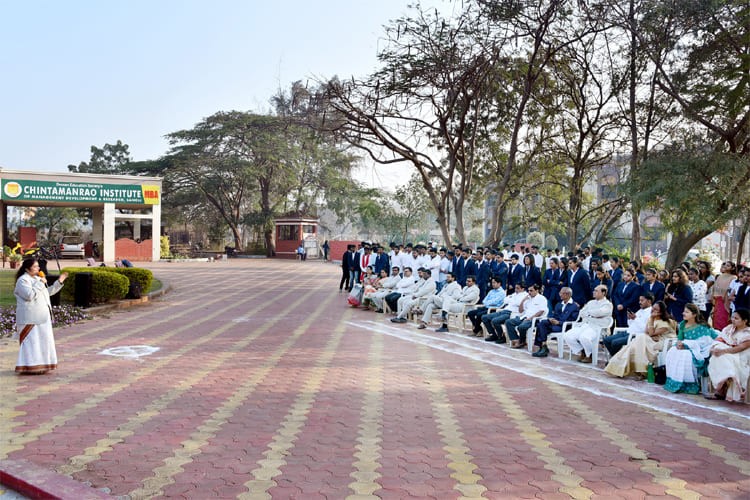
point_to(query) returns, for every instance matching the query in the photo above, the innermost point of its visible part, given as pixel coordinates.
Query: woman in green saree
(686, 361)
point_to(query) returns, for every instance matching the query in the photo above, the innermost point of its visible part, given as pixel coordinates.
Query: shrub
(535, 238)
(551, 242)
(143, 277)
(164, 247)
(62, 316)
(107, 284)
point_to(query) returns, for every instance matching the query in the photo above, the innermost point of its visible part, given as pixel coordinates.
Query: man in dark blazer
(626, 298)
(483, 275)
(346, 262)
(565, 310)
(458, 266)
(552, 282)
(500, 268)
(515, 273)
(654, 286)
(382, 262)
(578, 281)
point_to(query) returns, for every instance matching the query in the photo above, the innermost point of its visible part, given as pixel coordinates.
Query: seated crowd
(645, 319)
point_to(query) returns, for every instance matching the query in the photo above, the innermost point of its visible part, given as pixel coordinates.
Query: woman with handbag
(34, 319)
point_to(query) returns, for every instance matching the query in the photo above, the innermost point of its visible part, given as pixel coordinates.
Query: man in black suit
(742, 296)
(346, 262)
(578, 281)
(515, 273)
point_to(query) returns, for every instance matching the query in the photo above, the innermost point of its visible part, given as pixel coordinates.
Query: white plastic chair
(603, 332)
(531, 332)
(461, 315)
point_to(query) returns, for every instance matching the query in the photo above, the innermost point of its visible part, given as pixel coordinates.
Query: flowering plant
(63, 316)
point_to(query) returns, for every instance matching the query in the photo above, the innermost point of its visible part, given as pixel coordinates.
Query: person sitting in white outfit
(386, 286)
(595, 315)
(451, 290)
(469, 295)
(407, 302)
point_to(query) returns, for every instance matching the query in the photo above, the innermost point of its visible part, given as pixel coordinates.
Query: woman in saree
(720, 291)
(730, 359)
(34, 319)
(643, 350)
(372, 285)
(686, 361)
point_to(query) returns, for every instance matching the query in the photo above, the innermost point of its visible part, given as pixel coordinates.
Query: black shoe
(491, 338)
(501, 340)
(477, 331)
(542, 352)
(442, 329)
(379, 311)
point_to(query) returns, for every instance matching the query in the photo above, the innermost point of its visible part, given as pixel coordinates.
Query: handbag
(660, 374)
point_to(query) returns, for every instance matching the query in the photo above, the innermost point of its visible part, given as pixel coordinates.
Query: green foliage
(106, 284)
(110, 159)
(164, 252)
(550, 242)
(143, 277)
(54, 222)
(535, 238)
(695, 188)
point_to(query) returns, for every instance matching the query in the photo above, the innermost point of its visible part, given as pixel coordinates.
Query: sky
(81, 72)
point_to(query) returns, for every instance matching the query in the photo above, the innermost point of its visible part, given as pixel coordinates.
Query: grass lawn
(7, 283)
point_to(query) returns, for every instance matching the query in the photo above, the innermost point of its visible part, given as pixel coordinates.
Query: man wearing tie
(552, 281)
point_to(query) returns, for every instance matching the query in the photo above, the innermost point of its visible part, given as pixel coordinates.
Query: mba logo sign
(136, 194)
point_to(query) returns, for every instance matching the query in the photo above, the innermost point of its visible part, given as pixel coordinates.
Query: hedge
(143, 277)
(107, 284)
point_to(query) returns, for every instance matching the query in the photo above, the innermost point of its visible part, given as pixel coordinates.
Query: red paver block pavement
(287, 370)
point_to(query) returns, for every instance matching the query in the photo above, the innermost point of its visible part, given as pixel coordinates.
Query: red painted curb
(36, 482)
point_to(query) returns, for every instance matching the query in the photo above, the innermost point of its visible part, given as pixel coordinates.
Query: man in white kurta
(469, 295)
(450, 290)
(595, 315)
(407, 302)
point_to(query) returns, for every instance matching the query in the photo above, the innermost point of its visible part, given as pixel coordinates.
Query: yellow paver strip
(15, 441)
(12, 398)
(562, 473)
(660, 474)
(128, 428)
(369, 436)
(731, 459)
(164, 475)
(295, 419)
(457, 451)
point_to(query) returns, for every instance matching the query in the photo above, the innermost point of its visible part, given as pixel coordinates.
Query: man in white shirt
(446, 266)
(538, 259)
(469, 295)
(433, 264)
(405, 286)
(407, 302)
(493, 323)
(636, 324)
(387, 286)
(595, 315)
(451, 290)
(410, 260)
(535, 305)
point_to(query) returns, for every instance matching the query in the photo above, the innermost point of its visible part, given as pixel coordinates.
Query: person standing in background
(326, 248)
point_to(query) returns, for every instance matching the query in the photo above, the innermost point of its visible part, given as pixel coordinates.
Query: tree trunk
(237, 237)
(680, 246)
(458, 210)
(270, 245)
(743, 236)
(635, 235)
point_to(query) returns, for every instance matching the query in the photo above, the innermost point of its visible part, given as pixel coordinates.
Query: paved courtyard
(266, 384)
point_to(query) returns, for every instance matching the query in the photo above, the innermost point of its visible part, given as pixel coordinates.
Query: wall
(125, 248)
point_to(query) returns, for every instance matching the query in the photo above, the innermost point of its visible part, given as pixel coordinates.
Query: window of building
(288, 232)
(308, 229)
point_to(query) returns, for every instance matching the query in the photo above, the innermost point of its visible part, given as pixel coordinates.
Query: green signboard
(78, 192)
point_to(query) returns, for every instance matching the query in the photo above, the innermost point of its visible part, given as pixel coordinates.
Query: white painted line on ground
(491, 355)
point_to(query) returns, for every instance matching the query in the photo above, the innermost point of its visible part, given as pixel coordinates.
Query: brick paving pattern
(267, 385)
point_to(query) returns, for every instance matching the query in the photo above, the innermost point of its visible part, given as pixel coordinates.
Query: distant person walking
(326, 249)
(34, 319)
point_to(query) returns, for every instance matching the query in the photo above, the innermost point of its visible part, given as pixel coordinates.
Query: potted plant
(6, 253)
(15, 259)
